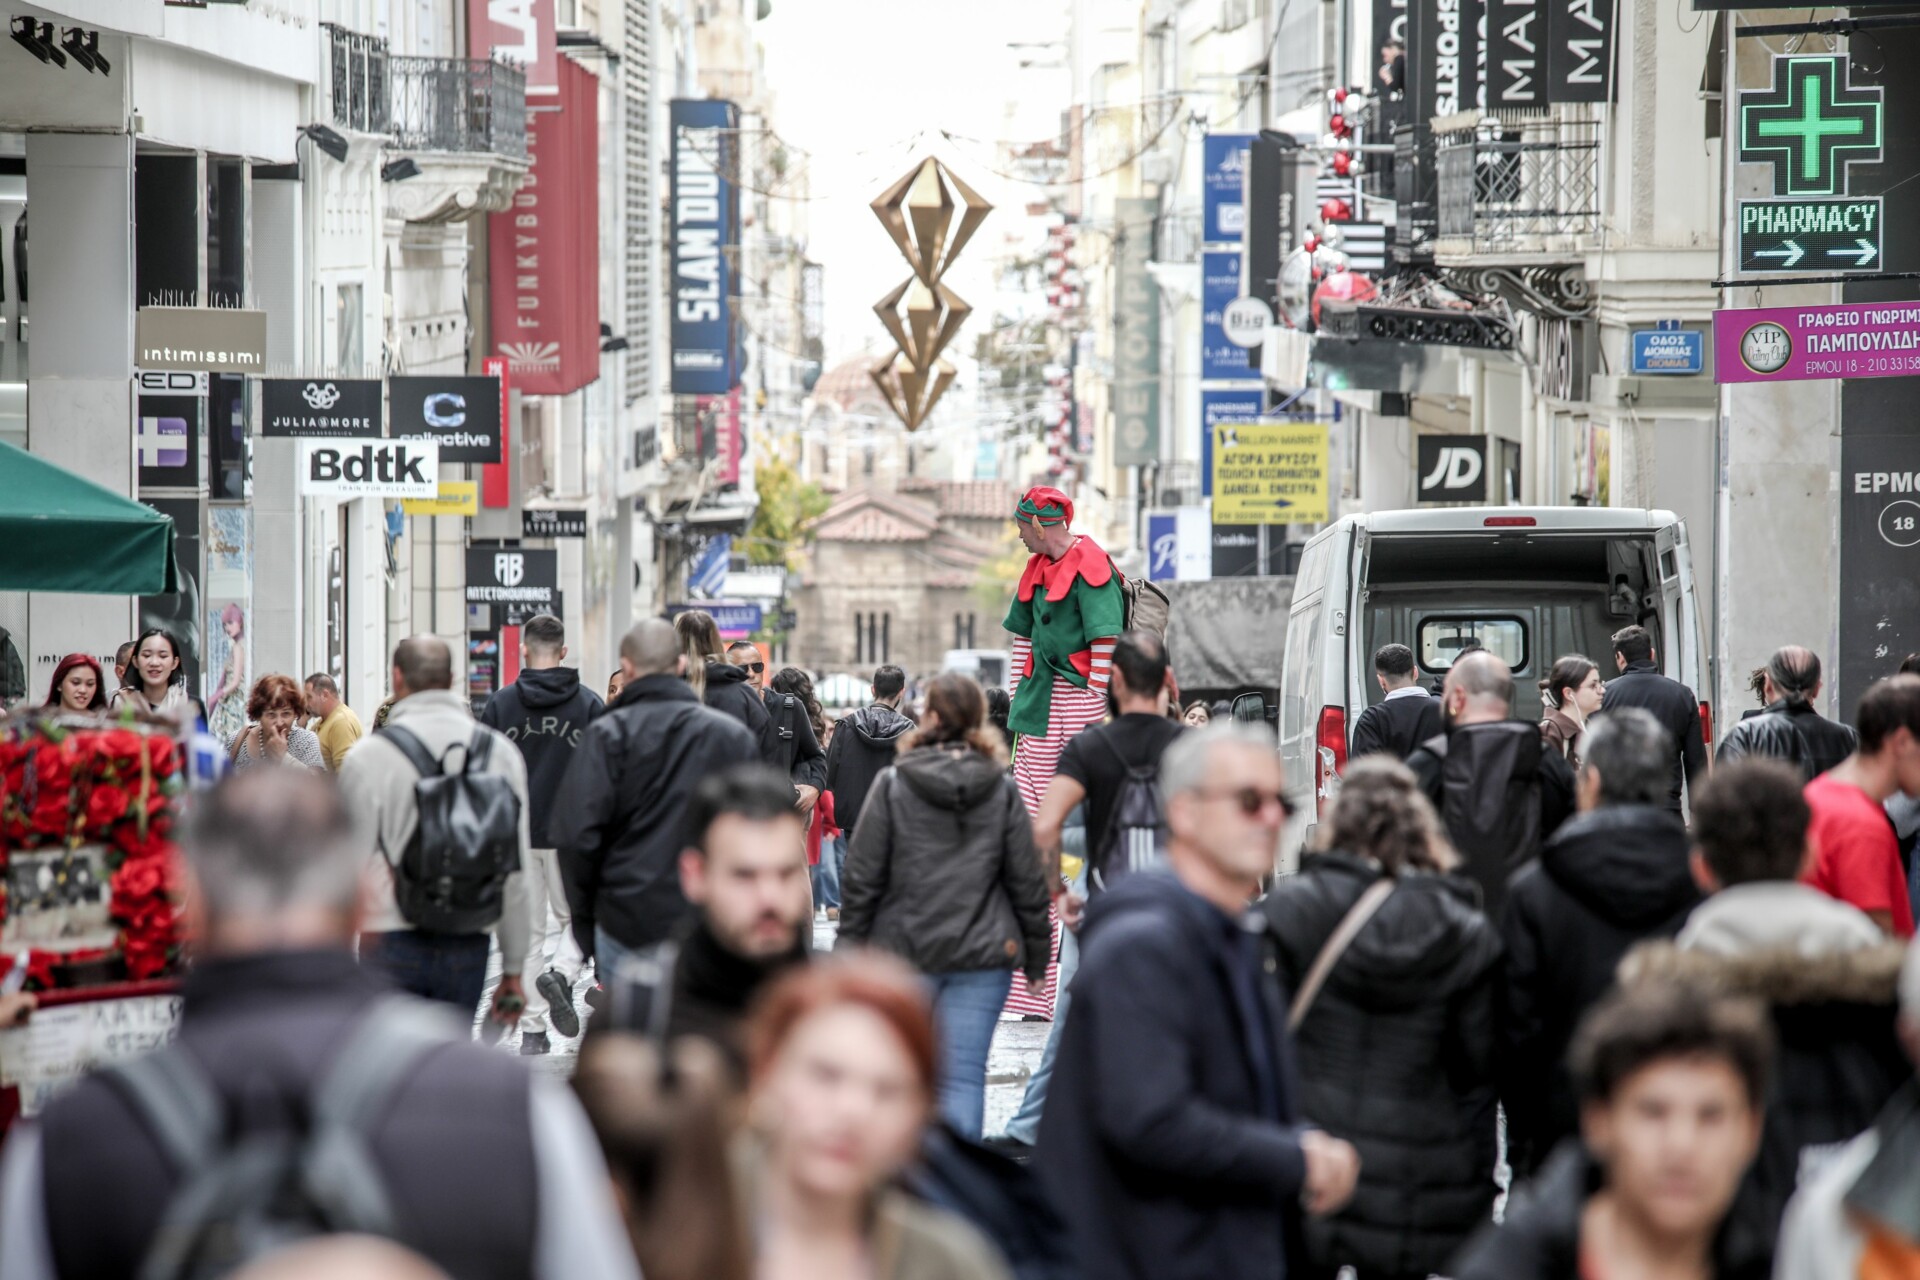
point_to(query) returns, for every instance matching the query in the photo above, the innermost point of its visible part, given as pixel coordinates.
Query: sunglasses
(1252, 800)
(755, 667)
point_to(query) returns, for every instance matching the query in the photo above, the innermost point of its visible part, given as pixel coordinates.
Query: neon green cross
(1812, 128)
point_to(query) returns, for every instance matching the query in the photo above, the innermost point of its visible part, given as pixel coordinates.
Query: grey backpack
(243, 1194)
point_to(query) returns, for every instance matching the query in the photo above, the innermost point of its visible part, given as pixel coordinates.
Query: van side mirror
(1250, 708)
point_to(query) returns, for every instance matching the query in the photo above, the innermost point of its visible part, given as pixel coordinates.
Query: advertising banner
(720, 415)
(1223, 216)
(1580, 51)
(1217, 408)
(460, 414)
(167, 441)
(211, 338)
(1545, 51)
(1219, 286)
(522, 32)
(1281, 180)
(1879, 556)
(1270, 473)
(374, 469)
(544, 254)
(513, 576)
(733, 620)
(1136, 349)
(1793, 344)
(551, 522)
(1516, 65)
(323, 408)
(1179, 545)
(456, 498)
(704, 223)
(1451, 468)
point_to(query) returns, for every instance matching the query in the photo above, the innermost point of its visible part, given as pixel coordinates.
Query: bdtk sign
(375, 469)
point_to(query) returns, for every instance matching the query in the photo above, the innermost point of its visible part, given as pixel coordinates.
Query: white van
(1531, 584)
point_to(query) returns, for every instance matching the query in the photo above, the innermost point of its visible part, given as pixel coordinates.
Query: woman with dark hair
(1198, 714)
(942, 871)
(797, 683)
(156, 678)
(720, 684)
(77, 685)
(999, 707)
(822, 830)
(1571, 692)
(843, 1064)
(1396, 1045)
(271, 735)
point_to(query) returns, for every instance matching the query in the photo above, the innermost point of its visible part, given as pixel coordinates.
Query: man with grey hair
(617, 816)
(1172, 1142)
(379, 780)
(1617, 873)
(1498, 793)
(477, 1166)
(1860, 1203)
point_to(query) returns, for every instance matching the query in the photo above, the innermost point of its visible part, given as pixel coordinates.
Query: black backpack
(1489, 801)
(1136, 834)
(452, 876)
(243, 1194)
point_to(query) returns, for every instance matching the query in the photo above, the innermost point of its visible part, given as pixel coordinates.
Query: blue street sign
(1163, 547)
(732, 619)
(1666, 350)
(1223, 211)
(1219, 286)
(1216, 408)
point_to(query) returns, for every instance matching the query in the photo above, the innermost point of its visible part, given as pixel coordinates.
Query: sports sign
(1826, 235)
(1810, 125)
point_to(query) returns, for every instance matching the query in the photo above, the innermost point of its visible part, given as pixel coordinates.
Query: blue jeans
(609, 954)
(826, 875)
(449, 967)
(966, 1007)
(1025, 1125)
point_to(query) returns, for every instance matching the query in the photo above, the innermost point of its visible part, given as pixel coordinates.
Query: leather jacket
(1794, 732)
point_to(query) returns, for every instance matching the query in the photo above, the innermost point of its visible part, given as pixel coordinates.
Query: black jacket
(1606, 880)
(1540, 1238)
(617, 817)
(1499, 794)
(1837, 1059)
(455, 1146)
(1794, 732)
(942, 868)
(1171, 1138)
(1396, 1056)
(729, 692)
(1397, 726)
(866, 743)
(1677, 710)
(546, 712)
(795, 747)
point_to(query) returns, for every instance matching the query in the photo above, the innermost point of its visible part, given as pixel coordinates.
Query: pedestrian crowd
(1560, 1000)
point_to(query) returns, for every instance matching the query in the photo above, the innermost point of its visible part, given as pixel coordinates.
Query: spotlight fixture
(327, 140)
(399, 169)
(84, 45)
(37, 39)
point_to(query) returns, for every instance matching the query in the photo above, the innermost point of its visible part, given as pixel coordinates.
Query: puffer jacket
(1837, 1059)
(728, 692)
(1396, 1056)
(1794, 732)
(864, 746)
(1609, 878)
(942, 869)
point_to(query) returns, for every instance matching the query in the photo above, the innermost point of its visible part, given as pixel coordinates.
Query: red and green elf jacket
(1066, 614)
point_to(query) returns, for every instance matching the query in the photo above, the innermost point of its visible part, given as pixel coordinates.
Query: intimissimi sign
(705, 226)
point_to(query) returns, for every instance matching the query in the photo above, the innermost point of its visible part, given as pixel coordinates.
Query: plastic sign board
(1218, 407)
(1810, 125)
(1270, 473)
(456, 498)
(552, 522)
(1451, 469)
(1223, 167)
(1668, 350)
(1807, 235)
(1795, 344)
(369, 469)
(513, 576)
(329, 408)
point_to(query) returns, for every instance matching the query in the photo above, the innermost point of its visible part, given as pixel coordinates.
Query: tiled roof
(874, 515)
(969, 499)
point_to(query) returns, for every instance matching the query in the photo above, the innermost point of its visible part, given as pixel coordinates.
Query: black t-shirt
(1091, 760)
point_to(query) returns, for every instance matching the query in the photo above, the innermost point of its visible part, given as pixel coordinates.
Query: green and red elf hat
(1044, 505)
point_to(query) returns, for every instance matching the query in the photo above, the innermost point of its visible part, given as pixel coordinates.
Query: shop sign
(1219, 286)
(547, 522)
(455, 498)
(513, 576)
(1223, 211)
(214, 339)
(1794, 344)
(1217, 408)
(1270, 473)
(374, 469)
(1810, 124)
(1451, 468)
(461, 415)
(704, 223)
(520, 32)
(1136, 323)
(1668, 349)
(323, 408)
(170, 382)
(1179, 545)
(1810, 235)
(733, 620)
(1879, 502)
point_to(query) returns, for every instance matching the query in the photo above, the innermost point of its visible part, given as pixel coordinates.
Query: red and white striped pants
(1035, 760)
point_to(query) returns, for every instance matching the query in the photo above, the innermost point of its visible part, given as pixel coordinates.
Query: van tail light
(1509, 522)
(1706, 725)
(1330, 754)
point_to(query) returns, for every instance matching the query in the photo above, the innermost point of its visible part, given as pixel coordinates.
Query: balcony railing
(1523, 186)
(359, 79)
(460, 105)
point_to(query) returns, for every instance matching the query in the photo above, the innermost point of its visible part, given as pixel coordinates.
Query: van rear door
(1680, 619)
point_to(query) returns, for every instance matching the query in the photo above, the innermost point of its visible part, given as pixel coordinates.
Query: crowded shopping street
(1043, 640)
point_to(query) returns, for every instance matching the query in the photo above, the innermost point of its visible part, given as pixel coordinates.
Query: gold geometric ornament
(922, 315)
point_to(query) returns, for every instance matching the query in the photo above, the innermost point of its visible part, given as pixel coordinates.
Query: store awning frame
(62, 532)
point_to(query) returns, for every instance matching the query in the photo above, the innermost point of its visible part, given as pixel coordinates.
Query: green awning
(59, 532)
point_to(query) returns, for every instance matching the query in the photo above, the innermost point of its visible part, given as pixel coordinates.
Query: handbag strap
(1336, 946)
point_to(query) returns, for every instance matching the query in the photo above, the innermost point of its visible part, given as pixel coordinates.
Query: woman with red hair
(271, 736)
(843, 1064)
(77, 685)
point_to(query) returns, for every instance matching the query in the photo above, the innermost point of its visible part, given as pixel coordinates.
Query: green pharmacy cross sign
(1810, 125)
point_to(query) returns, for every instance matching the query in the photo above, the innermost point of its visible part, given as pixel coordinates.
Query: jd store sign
(1452, 469)
(513, 576)
(374, 469)
(329, 408)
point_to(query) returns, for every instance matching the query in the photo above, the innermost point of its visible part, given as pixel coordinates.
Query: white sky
(865, 86)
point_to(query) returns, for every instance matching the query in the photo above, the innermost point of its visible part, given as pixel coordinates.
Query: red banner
(721, 416)
(496, 478)
(521, 32)
(544, 256)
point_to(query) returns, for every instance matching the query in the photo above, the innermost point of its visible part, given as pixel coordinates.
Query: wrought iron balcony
(359, 79)
(459, 105)
(1518, 187)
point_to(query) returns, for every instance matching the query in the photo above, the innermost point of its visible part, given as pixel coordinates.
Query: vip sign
(375, 469)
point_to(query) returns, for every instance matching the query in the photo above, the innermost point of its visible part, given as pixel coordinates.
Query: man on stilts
(1066, 615)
